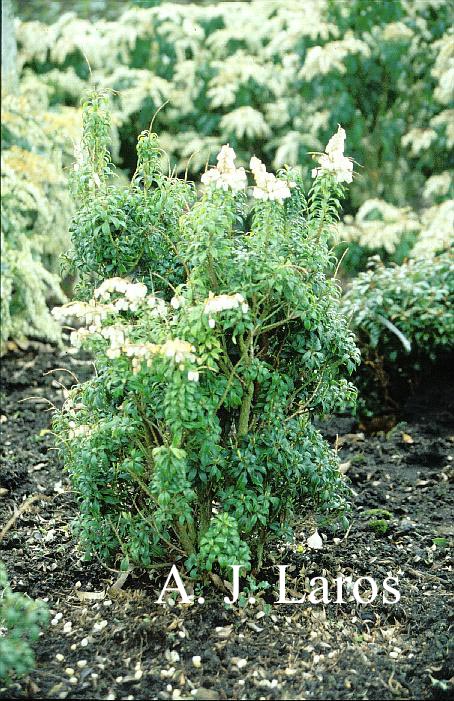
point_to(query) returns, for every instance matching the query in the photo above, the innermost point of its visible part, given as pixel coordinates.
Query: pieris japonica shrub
(36, 211)
(21, 620)
(217, 335)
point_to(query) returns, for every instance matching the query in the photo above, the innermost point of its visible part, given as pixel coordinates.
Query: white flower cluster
(178, 350)
(77, 337)
(418, 140)
(397, 31)
(445, 120)
(378, 224)
(95, 312)
(443, 69)
(133, 293)
(437, 225)
(92, 313)
(268, 187)
(175, 349)
(78, 156)
(226, 175)
(139, 352)
(177, 301)
(245, 121)
(115, 334)
(333, 160)
(321, 60)
(220, 303)
(438, 185)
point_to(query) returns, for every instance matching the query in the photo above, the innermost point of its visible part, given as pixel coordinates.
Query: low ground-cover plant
(21, 620)
(217, 336)
(403, 314)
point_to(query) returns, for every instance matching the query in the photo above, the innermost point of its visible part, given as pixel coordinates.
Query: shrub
(215, 347)
(21, 619)
(416, 298)
(36, 211)
(402, 315)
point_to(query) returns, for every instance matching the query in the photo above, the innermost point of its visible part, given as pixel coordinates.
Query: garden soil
(121, 644)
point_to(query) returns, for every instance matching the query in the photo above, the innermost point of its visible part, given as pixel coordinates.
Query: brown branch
(27, 503)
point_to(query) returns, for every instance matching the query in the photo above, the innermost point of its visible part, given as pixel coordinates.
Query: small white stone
(84, 642)
(67, 627)
(82, 663)
(197, 661)
(241, 663)
(69, 671)
(314, 541)
(167, 673)
(56, 619)
(99, 626)
(138, 674)
(59, 657)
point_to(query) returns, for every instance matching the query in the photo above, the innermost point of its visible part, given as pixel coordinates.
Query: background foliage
(272, 78)
(36, 210)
